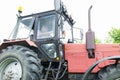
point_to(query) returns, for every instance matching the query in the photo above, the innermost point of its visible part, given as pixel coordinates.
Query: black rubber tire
(111, 72)
(30, 63)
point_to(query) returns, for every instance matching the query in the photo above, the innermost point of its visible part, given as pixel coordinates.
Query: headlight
(50, 50)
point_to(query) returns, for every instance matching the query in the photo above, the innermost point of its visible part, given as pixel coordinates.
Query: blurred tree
(114, 34)
(108, 40)
(97, 40)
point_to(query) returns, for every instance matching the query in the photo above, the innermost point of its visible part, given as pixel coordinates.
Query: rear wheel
(19, 63)
(111, 72)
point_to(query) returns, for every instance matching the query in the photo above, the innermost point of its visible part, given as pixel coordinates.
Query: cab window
(46, 27)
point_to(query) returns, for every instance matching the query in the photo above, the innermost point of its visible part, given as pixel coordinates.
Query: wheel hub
(13, 71)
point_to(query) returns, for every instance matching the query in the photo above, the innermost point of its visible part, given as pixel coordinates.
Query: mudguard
(86, 75)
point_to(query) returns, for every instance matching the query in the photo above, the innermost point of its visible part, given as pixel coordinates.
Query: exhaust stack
(90, 37)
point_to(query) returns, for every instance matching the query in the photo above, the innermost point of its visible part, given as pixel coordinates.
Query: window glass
(46, 27)
(23, 28)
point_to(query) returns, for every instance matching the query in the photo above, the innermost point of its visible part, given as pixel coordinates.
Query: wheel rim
(117, 79)
(10, 69)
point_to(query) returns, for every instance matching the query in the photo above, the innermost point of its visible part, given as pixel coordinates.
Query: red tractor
(36, 51)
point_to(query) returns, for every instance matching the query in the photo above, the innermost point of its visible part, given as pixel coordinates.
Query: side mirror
(57, 5)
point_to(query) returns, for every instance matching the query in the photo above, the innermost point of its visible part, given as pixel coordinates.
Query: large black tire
(19, 63)
(111, 72)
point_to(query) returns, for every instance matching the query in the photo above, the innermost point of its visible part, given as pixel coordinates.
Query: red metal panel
(77, 56)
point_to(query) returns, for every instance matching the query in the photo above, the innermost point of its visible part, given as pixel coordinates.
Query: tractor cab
(48, 30)
(46, 25)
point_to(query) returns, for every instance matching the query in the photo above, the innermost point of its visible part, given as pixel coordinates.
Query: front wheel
(111, 72)
(19, 63)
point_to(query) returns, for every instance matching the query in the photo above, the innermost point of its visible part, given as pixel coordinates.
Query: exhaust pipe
(90, 37)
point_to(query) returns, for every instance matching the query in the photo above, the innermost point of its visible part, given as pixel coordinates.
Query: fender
(23, 42)
(86, 75)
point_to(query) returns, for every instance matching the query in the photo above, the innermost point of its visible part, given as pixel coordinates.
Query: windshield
(46, 27)
(23, 28)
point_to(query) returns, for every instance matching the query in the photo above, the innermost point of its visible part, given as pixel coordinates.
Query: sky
(104, 14)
